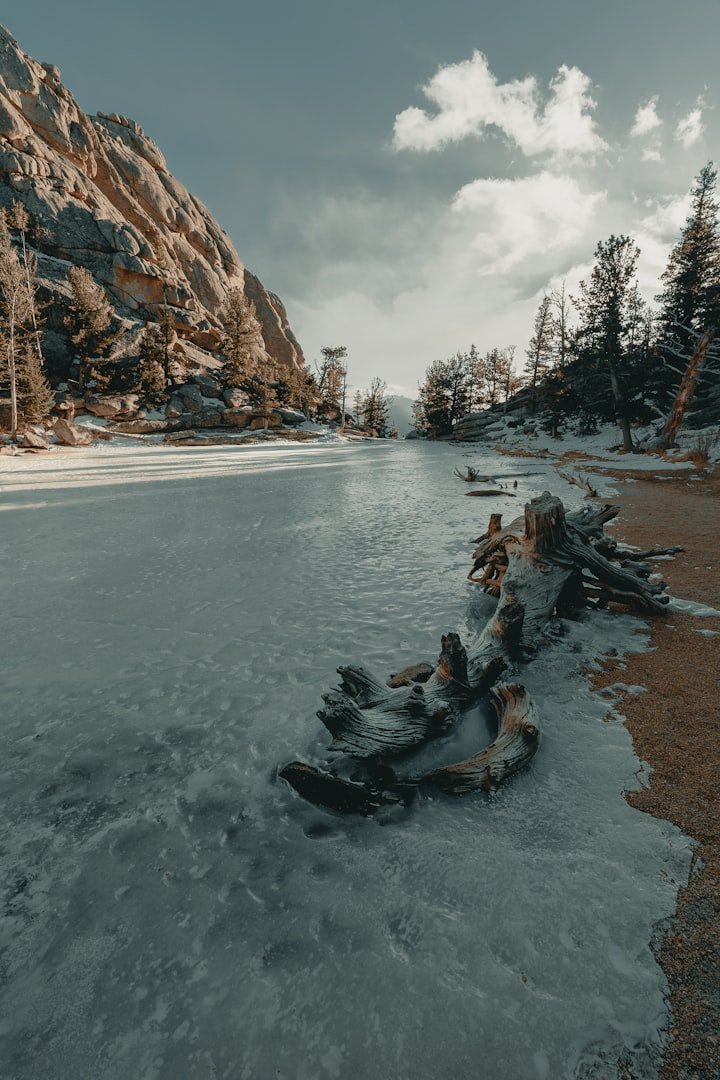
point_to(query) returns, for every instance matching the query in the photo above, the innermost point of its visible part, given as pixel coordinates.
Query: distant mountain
(99, 195)
(400, 414)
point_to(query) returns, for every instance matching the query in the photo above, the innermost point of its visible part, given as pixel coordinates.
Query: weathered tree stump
(367, 718)
(542, 562)
(516, 744)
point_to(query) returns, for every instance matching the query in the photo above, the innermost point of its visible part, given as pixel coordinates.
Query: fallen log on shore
(543, 563)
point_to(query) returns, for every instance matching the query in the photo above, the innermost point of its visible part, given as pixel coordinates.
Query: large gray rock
(99, 194)
(143, 427)
(105, 408)
(235, 398)
(293, 417)
(72, 434)
(237, 418)
(190, 396)
(209, 387)
(32, 441)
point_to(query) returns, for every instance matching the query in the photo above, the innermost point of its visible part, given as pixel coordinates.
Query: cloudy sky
(410, 177)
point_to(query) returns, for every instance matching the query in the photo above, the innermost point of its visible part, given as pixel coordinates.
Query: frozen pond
(172, 910)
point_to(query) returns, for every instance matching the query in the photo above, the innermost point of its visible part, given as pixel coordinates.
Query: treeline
(106, 356)
(603, 354)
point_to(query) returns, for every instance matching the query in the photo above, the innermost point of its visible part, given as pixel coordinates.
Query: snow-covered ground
(172, 910)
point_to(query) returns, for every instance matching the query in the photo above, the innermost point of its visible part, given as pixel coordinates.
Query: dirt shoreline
(675, 727)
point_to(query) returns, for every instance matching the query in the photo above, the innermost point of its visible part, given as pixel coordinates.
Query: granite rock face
(99, 195)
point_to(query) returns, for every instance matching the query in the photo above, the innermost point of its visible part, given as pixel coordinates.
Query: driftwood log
(543, 563)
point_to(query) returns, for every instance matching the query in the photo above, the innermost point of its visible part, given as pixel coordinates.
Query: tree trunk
(12, 369)
(621, 408)
(668, 435)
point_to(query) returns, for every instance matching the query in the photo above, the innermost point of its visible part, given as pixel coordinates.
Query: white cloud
(469, 98)
(652, 153)
(690, 128)
(646, 119)
(517, 220)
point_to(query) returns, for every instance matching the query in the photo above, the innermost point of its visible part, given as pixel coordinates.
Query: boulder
(7, 450)
(106, 408)
(32, 441)
(175, 407)
(209, 387)
(234, 397)
(191, 397)
(143, 427)
(237, 418)
(258, 423)
(213, 405)
(71, 434)
(208, 418)
(291, 417)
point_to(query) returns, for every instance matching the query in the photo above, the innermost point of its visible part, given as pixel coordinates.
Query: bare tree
(16, 304)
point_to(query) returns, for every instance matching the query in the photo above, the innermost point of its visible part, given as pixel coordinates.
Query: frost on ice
(173, 911)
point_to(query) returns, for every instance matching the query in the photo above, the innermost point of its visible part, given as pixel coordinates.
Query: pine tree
(494, 372)
(447, 392)
(35, 396)
(91, 322)
(434, 399)
(510, 381)
(241, 340)
(540, 350)
(375, 407)
(691, 298)
(603, 346)
(167, 336)
(358, 401)
(332, 378)
(476, 386)
(263, 392)
(296, 387)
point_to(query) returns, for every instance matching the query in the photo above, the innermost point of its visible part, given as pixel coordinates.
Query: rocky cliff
(99, 194)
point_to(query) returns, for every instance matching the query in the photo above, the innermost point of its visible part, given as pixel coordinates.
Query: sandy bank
(676, 729)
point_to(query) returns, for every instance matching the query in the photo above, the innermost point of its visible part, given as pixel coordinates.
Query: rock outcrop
(99, 195)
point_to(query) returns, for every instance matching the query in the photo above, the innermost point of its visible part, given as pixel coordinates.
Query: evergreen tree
(358, 402)
(152, 370)
(297, 388)
(263, 393)
(91, 321)
(457, 384)
(375, 407)
(434, 399)
(166, 337)
(332, 376)
(494, 369)
(540, 351)
(476, 386)
(35, 396)
(241, 340)
(510, 381)
(604, 344)
(691, 298)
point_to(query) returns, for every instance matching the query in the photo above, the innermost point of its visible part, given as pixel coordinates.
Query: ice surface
(173, 910)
